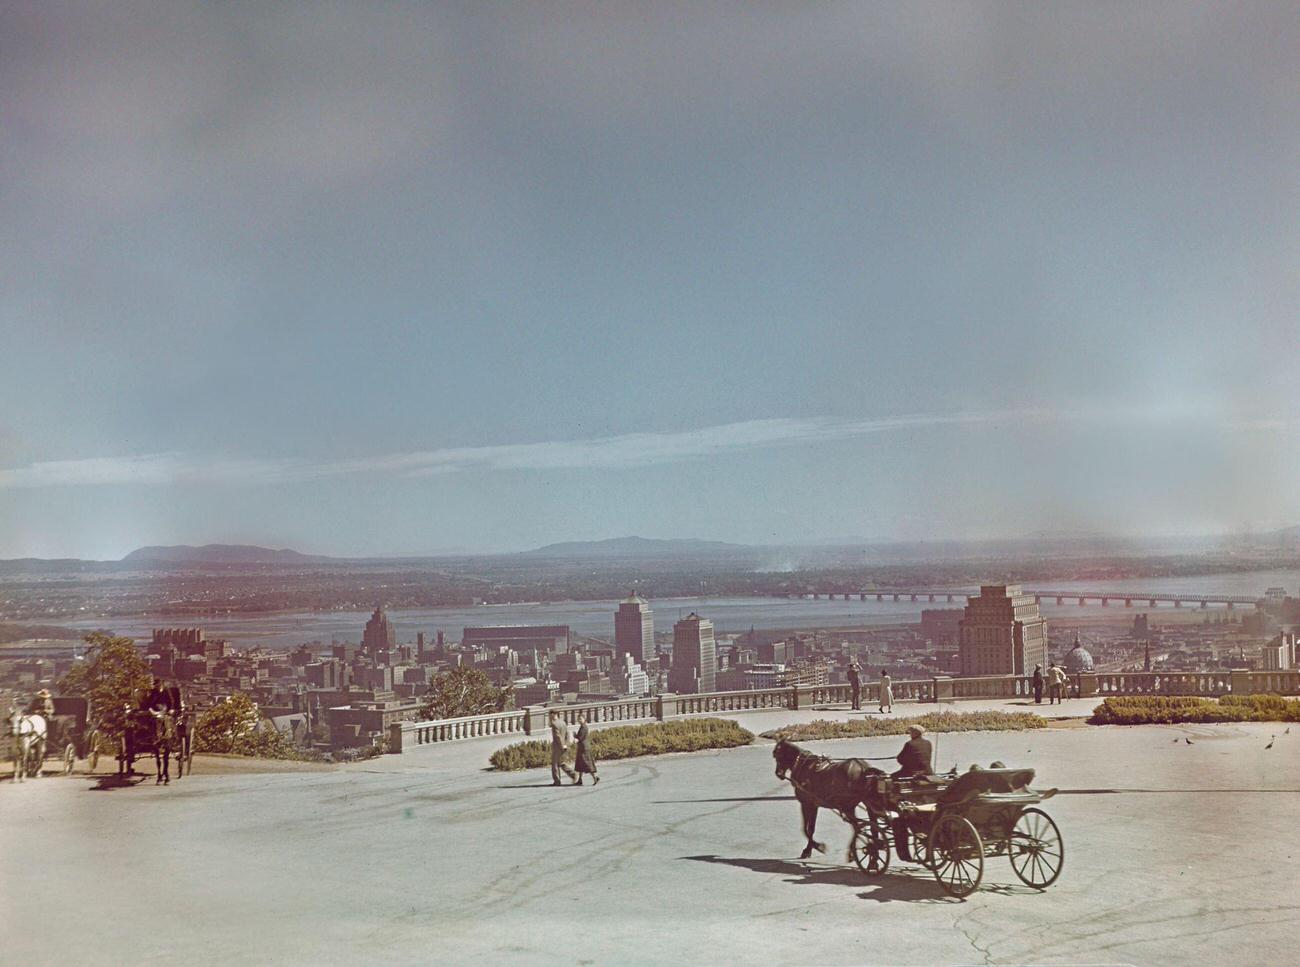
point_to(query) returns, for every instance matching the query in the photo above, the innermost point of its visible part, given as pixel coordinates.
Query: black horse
(821, 782)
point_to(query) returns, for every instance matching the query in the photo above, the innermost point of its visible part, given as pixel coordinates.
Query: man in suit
(855, 683)
(561, 739)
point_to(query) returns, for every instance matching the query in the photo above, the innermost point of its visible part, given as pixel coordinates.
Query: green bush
(627, 741)
(989, 721)
(1169, 709)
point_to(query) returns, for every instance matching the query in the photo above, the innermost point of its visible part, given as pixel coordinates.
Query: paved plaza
(1175, 854)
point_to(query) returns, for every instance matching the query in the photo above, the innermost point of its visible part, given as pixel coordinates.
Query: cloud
(622, 451)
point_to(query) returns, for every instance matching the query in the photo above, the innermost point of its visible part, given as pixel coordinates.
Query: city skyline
(408, 280)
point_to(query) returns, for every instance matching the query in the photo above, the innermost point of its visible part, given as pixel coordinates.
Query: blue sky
(403, 278)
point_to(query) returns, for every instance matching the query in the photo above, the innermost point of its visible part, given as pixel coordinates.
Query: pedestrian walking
(584, 760)
(1038, 684)
(855, 684)
(1056, 683)
(886, 692)
(561, 739)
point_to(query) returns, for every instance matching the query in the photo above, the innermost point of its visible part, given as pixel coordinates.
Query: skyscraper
(380, 634)
(694, 667)
(634, 630)
(1002, 632)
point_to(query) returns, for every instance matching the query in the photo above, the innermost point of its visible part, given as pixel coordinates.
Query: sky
(389, 278)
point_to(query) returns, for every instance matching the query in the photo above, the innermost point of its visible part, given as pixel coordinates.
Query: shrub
(989, 721)
(628, 741)
(1168, 709)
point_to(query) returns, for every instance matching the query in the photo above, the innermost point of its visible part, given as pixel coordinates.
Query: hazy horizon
(366, 280)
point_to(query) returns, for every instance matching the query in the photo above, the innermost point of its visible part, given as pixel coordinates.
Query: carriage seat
(987, 781)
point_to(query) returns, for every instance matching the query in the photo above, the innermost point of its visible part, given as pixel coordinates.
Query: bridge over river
(1151, 599)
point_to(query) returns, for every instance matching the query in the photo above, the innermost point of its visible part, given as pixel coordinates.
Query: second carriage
(953, 823)
(166, 734)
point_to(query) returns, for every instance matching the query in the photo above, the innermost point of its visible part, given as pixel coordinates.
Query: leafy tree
(227, 725)
(235, 727)
(111, 675)
(464, 691)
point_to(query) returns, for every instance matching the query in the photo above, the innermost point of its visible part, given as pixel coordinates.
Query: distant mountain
(218, 554)
(638, 547)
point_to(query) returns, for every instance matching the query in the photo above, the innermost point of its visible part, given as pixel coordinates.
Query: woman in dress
(585, 761)
(886, 692)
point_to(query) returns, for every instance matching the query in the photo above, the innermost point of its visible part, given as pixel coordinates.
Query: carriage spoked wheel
(1035, 849)
(92, 754)
(69, 758)
(956, 855)
(870, 849)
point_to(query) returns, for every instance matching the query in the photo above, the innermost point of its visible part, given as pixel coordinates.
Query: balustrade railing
(529, 721)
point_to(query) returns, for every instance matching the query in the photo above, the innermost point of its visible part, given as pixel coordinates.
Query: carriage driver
(42, 704)
(915, 757)
(915, 761)
(159, 699)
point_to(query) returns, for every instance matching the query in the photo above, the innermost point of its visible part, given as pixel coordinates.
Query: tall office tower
(694, 667)
(380, 634)
(634, 630)
(1002, 633)
(419, 645)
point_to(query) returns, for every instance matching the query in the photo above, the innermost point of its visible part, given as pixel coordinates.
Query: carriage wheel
(956, 855)
(870, 850)
(1035, 848)
(92, 753)
(69, 758)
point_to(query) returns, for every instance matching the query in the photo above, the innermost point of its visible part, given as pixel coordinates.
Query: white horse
(28, 732)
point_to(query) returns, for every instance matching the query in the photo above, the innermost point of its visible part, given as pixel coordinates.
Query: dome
(1078, 659)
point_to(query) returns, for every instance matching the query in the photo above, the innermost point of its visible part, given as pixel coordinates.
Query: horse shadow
(114, 780)
(891, 887)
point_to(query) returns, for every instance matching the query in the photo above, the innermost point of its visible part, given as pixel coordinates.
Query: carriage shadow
(904, 887)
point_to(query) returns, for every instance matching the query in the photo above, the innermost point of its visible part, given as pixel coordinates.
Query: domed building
(1078, 659)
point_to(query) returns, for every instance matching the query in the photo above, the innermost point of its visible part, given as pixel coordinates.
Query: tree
(111, 676)
(227, 725)
(236, 727)
(463, 691)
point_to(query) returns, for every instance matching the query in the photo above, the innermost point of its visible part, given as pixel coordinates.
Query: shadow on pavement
(537, 785)
(673, 802)
(909, 888)
(1144, 792)
(113, 781)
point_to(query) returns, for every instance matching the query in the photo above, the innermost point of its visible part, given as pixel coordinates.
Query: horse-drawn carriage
(163, 733)
(955, 822)
(948, 823)
(65, 736)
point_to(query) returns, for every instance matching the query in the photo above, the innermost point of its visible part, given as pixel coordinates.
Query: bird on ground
(1288, 730)
(1187, 740)
(1270, 741)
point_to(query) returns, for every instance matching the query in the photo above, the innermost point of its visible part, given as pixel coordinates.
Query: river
(280, 631)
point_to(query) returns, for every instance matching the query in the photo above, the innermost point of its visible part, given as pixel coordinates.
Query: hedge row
(628, 741)
(990, 721)
(1167, 709)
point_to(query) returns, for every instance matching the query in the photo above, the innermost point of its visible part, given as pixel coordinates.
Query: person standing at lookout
(1056, 681)
(886, 691)
(584, 760)
(1038, 684)
(855, 684)
(561, 739)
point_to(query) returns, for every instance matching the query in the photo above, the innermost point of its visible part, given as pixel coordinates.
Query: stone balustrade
(403, 736)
